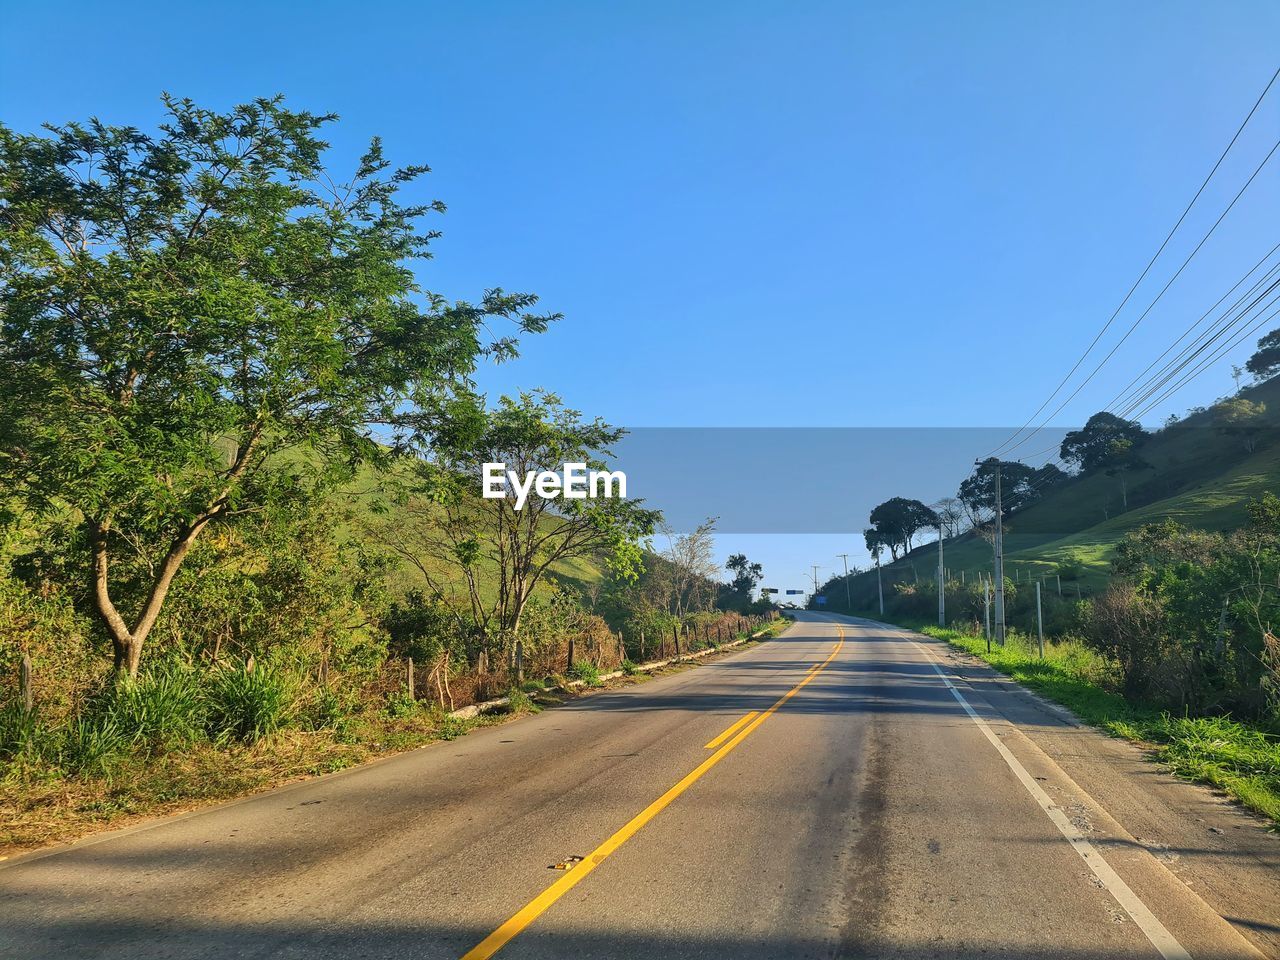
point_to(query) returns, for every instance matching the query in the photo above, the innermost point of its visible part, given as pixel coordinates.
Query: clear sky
(759, 214)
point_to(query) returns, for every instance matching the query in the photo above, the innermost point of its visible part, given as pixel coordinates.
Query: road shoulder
(1223, 853)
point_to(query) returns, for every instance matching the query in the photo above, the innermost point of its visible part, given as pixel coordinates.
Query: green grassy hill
(1199, 476)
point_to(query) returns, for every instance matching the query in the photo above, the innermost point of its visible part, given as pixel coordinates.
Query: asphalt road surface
(844, 790)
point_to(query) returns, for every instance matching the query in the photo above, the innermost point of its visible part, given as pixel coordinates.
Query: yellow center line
(539, 905)
(731, 731)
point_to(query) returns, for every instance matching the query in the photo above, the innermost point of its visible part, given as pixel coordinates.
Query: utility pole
(942, 583)
(1039, 621)
(986, 613)
(999, 564)
(815, 579)
(879, 586)
(848, 603)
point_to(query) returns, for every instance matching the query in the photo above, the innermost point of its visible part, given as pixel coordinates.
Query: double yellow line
(723, 745)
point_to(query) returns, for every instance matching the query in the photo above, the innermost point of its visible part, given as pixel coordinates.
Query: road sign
(794, 593)
(821, 601)
(768, 589)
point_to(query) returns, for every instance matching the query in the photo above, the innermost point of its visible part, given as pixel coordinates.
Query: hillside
(1199, 476)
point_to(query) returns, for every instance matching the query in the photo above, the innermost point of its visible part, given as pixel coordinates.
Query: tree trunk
(127, 643)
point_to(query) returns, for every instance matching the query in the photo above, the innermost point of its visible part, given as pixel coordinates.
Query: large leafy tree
(1104, 439)
(1265, 362)
(201, 322)
(1241, 418)
(1019, 486)
(746, 575)
(898, 520)
(875, 545)
(493, 541)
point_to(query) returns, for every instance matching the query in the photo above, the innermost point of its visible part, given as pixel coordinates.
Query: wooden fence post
(409, 678)
(24, 684)
(519, 662)
(675, 638)
(571, 653)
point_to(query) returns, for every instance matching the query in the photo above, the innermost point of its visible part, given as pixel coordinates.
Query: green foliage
(517, 545)
(1241, 418)
(400, 705)
(328, 710)
(586, 672)
(1019, 486)
(898, 520)
(426, 629)
(163, 707)
(19, 729)
(1070, 569)
(1189, 612)
(180, 312)
(1104, 440)
(1265, 361)
(629, 668)
(746, 575)
(1237, 757)
(247, 705)
(518, 701)
(93, 745)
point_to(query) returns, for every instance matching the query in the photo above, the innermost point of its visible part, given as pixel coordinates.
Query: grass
(173, 759)
(1240, 759)
(41, 806)
(1201, 478)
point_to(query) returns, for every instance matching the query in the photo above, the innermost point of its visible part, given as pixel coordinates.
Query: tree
(1241, 418)
(1265, 362)
(1104, 438)
(200, 324)
(898, 520)
(1046, 478)
(1123, 460)
(746, 574)
(1018, 488)
(875, 546)
(691, 568)
(951, 514)
(488, 540)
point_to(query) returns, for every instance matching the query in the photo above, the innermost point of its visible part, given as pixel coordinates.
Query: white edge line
(1155, 931)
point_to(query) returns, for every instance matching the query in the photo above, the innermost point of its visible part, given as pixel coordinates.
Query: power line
(1126, 390)
(1134, 325)
(1188, 355)
(1076, 366)
(1171, 372)
(1217, 355)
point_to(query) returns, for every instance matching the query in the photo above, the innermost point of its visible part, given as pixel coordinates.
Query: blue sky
(759, 214)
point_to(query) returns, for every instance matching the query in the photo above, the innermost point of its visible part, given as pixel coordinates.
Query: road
(882, 800)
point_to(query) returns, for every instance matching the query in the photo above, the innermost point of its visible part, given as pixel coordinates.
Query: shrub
(1128, 627)
(327, 710)
(400, 705)
(520, 702)
(585, 671)
(629, 668)
(247, 705)
(162, 707)
(19, 730)
(93, 744)
(1070, 569)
